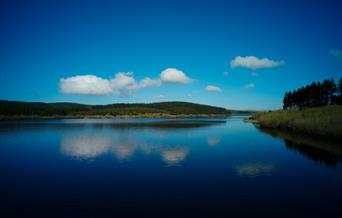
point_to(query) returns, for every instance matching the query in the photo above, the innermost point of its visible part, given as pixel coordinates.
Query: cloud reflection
(85, 147)
(253, 169)
(90, 146)
(174, 156)
(123, 151)
(211, 141)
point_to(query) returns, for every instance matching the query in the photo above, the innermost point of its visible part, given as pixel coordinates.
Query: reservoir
(218, 167)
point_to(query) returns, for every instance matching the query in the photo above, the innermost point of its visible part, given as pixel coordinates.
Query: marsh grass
(322, 121)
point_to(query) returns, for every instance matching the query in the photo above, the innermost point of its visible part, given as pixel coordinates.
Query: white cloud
(225, 73)
(123, 84)
(211, 88)
(148, 82)
(123, 80)
(85, 85)
(254, 63)
(249, 86)
(172, 75)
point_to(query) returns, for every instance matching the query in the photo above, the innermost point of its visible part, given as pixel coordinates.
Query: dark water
(160, 168)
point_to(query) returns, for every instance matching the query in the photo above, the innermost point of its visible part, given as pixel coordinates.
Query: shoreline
(58, 117)
(316, 122)
(250, 120)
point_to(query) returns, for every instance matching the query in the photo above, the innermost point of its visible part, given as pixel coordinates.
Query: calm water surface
(165, 168)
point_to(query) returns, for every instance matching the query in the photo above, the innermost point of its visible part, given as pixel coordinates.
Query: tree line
(11, 108)
(314, 95)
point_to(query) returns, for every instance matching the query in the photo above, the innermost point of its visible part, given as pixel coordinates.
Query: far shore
(147, 115)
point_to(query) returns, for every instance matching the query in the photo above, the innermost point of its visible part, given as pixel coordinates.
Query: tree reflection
(327, 152)
(318, 155)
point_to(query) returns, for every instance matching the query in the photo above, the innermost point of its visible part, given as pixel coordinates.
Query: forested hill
(16, 108)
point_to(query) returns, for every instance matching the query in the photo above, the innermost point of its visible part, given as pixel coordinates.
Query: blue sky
(100, 52)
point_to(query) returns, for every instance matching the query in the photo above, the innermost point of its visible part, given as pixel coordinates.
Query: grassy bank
(321, 121)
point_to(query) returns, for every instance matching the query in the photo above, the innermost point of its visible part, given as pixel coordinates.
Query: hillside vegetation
(24, 109)
(322, 121)
(313, 109)
(317, 94)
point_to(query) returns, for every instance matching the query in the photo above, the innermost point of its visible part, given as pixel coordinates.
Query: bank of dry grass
(321, 121)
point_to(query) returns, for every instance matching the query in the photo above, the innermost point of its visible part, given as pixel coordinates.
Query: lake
(165, 168)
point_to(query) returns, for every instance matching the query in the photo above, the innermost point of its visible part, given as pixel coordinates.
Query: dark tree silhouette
(314, 95)
(11, 108)
(339, 97)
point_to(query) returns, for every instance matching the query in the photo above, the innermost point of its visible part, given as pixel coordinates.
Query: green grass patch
(323, 121)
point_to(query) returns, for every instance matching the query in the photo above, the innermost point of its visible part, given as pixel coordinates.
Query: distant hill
(17, 108)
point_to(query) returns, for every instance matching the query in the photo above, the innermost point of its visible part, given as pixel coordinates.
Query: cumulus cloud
(254, 63)
(123, 80)
(148, 82)
(85, 85)
(172, 75)
(123, 84)
(211, 88)
(249, 86)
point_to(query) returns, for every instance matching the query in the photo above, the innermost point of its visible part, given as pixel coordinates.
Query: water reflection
(88, 146)
(253, 169)
(174, 156)
(123, 151)
(85, 146)
(327, 152)
(122, 145)
(213, 140)
(234, 175)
